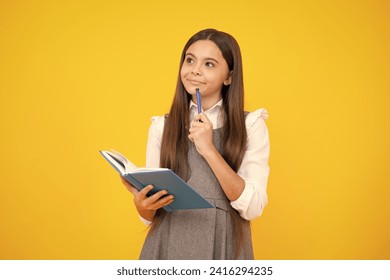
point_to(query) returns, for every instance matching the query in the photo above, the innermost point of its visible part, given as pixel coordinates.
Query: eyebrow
(206, 58)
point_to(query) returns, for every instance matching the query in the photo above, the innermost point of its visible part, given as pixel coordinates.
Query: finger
(124, 181)
(168, 201)
(202, 117)
(153, 198)
(129, 186)
(200, 127)
(163, 202)
(197, 117)
(193, 129)
(142, 194)
(196, 124)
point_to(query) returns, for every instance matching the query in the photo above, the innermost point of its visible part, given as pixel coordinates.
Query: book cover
(161, 178)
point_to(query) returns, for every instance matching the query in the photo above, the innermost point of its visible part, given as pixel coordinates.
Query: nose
(196, 69)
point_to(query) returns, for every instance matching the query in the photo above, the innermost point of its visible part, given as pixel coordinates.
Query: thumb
(129, 186)
(203, 118)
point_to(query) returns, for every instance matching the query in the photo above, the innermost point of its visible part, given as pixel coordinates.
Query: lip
(195, 82)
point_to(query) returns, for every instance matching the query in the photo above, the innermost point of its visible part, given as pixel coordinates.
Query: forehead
(205, 49)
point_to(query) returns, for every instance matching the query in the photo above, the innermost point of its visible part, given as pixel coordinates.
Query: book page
(130, 167)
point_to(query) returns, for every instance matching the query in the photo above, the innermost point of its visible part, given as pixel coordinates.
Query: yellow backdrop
(79, 76)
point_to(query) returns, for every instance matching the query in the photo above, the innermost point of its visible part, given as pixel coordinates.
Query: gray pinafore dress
(202, 234)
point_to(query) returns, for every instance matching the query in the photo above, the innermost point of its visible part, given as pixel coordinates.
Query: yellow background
(79, 76)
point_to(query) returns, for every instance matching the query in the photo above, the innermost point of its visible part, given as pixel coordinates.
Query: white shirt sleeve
(254, 169)
(153, 147)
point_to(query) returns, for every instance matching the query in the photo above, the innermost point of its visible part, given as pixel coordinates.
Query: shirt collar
(214, 113)
(217, 105)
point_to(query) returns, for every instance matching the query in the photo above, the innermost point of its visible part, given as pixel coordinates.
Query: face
(205, 68)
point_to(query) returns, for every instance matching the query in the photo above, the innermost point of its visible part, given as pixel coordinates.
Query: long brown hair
(175, 142)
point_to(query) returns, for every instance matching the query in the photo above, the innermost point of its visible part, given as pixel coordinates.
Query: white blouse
(254, 169)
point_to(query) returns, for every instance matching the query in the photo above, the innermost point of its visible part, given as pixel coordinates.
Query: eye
(189, 60)
(209, 64)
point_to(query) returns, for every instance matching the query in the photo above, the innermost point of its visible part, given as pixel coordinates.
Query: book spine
(168, 208)
(133, 181)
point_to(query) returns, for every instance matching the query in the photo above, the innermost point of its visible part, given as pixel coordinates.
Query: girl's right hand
(147, 206)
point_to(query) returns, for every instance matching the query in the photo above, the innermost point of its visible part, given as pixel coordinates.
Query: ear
(228, 80)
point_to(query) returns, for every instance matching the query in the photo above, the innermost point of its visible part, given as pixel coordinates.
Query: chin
(191, 89)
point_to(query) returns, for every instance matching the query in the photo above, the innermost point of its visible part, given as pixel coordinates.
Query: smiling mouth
(195, 81)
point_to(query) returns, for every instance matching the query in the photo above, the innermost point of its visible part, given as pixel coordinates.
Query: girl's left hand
(201, 133)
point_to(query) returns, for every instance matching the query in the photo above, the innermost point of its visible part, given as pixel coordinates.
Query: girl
(222, 153)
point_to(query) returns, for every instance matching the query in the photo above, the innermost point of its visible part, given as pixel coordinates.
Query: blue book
(161, 178)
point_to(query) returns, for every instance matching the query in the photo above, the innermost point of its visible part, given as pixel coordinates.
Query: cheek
(215, 79)
(183, 70)
(182, 75)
